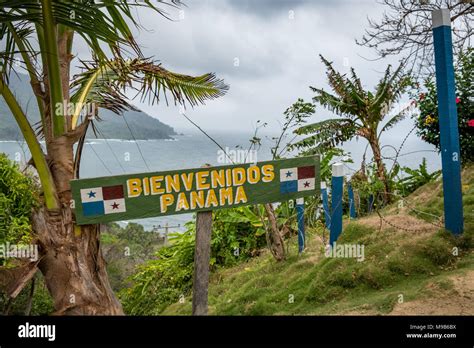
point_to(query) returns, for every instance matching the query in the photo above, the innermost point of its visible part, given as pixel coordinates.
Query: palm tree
(361, 113)
(71, 259)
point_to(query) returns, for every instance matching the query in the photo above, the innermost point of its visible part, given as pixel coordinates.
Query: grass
(429, 199)
(398, 266)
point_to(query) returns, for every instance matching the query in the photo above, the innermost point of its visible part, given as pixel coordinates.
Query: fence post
(324, 196)
(448, 121)
(370, 203)
(352, 209)
(300, 215)
(336, 204)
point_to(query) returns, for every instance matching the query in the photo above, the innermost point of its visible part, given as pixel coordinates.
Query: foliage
(417, 178)
(18, 196)
(432, 207)
(126, 247)
(393, 264)
(326, 285)
(405, 29)
(134, 234)
(41, 302)
(162, 281)
(295, 116)
(327, 160)
(103, 83)
(427, 121)
(50, 26)
(237, 235)
(38, 38)
(367, 186)
(362, 111)
(142, 125)
(361, 114)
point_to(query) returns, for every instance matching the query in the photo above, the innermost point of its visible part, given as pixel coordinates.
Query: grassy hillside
(411, 266)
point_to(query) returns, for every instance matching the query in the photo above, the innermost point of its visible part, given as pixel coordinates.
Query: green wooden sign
(137, 196)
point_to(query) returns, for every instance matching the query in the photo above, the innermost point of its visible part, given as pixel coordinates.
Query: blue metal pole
(300, 215)
(324, 196)
(371, 202)
(352, 209)
(448, 121)
(336, 204)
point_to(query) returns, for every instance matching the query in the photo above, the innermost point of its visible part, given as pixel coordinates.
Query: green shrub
(427, 121)
(42, 303)
(18, 196)
(237, 235)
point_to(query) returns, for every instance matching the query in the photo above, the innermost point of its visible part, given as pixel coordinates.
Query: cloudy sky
(265, 50)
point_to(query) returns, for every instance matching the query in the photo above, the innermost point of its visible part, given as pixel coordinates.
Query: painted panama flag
(297, 179)
(103, 200)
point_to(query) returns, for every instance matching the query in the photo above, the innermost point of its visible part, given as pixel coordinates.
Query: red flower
(458, 100)
(470, 123)
(422, 96)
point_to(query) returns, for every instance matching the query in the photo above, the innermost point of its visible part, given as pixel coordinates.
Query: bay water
(115, 157)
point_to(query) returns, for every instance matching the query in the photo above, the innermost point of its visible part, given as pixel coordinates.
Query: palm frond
(348, 90)
(394, 120)
(343, 107)
(335, 79)
(389, 89)
(106, 83)
(10, 35)
(88, 18)
(325, 134)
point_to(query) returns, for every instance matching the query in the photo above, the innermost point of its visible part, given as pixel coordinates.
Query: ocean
(115, 157)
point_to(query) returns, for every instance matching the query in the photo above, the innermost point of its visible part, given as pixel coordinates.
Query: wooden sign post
(200, 190)
(448, 121)
(202, 256)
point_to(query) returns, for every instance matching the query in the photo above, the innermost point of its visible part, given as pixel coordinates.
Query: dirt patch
(365, 309)
(457, 301)
(400, 222)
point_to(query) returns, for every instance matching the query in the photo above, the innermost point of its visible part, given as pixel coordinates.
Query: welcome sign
(137, 196)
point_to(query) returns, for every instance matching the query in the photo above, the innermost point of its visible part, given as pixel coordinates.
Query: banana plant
(38, 37)
(417, 177)
(360, 113)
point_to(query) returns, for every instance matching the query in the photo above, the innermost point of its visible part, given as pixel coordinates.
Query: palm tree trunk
(72, 262)
(381, 175)
(73, 266)
(274, 238)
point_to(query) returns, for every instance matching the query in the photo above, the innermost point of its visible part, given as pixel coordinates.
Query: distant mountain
(111, 126)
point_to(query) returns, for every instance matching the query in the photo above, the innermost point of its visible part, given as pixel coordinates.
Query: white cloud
(277, 52)
(278, 55)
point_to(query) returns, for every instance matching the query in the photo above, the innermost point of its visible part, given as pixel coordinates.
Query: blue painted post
(448, 121)
(324, 196)
(352, 209)
(336, 204)
(371, 202)
(300, 215)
